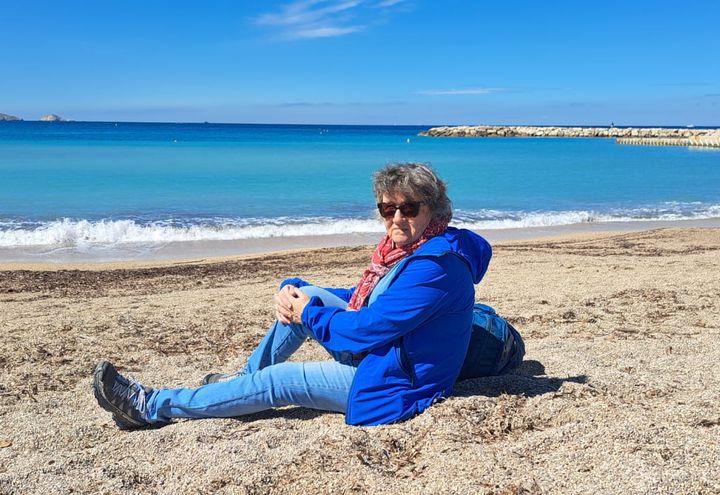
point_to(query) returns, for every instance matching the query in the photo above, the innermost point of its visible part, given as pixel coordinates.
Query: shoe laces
(133, 391)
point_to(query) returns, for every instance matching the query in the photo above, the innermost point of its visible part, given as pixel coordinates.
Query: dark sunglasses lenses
(409, 210)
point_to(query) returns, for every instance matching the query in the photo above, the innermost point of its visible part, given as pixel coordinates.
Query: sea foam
(86, 234)
(83, 233)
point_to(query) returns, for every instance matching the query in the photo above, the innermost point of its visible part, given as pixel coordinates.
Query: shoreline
(174, 253)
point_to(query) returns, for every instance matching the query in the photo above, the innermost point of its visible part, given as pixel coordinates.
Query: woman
(397, 339)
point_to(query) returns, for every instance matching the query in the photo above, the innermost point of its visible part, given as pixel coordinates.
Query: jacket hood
(471, 247)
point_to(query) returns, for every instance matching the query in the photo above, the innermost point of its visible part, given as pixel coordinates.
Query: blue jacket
(415, 333)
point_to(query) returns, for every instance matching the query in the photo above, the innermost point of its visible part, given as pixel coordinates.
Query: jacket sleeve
(421, 290)
(344, 294)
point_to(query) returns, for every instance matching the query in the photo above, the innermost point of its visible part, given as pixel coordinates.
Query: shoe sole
(119, 416)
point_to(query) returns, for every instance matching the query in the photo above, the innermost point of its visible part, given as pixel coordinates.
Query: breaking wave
(86, 234)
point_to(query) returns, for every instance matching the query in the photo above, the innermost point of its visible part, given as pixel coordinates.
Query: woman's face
(403, 230)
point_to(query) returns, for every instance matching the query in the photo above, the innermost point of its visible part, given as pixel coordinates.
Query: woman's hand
(289, 304)
(283, 305)
(299, 301)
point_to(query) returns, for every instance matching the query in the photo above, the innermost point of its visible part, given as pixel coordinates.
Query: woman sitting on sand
(398, 339)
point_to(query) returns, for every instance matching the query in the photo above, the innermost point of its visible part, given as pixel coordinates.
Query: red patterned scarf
(386, 256)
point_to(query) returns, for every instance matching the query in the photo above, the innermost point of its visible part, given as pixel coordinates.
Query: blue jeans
(267, 380)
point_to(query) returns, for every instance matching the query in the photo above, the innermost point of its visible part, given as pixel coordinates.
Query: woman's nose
(398, 217)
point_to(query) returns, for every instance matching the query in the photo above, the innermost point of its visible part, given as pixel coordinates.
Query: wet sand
(619, 392)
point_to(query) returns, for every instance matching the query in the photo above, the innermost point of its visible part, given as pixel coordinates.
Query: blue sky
(363, 62)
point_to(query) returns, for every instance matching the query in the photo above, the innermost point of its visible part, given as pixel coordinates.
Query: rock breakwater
(652, 136)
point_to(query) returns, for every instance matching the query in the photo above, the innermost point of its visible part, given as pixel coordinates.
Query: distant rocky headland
(6, 117)
(655, 136)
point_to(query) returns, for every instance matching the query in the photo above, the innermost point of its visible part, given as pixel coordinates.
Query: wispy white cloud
(684, 84)
(346, 104)
(465, 91)
(327, 32)
(388, 3)
(323, 18)
(306, 12)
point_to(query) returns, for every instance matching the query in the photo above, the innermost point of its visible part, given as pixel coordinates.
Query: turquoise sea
(95, 186)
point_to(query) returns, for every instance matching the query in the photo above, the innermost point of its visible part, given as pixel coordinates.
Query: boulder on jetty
(656, 136)
(8, 118)
(51, 117)
(711, 139)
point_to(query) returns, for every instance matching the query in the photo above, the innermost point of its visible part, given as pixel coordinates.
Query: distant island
(51, 117)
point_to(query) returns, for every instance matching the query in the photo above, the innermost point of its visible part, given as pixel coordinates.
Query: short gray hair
(415, 181)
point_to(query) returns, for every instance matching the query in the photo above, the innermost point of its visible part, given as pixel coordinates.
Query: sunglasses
(409, 209)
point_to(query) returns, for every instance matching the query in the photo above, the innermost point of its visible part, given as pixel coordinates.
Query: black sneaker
(123, 397)
(219, 377)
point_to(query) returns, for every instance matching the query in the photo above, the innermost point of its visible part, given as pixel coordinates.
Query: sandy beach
(619, 391)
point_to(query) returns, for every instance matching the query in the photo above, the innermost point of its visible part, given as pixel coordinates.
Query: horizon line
(621, 126)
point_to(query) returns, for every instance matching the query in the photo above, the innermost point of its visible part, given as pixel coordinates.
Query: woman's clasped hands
(289, 304)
